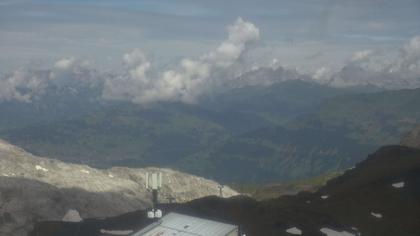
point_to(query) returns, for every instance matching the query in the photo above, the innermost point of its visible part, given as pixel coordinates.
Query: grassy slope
(379, 118)
(275, 190)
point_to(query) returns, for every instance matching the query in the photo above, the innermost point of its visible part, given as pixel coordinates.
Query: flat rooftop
(174, 224)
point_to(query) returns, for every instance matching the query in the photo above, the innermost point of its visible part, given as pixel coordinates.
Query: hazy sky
(302, 33)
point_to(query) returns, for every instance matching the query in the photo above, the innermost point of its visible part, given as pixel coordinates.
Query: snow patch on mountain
(294, 231)
(38, 167)
(376, 215)
(331, 232)
(398, 185)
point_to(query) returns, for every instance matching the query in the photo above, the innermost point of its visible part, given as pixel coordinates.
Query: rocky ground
(379, 197)
(36, 189)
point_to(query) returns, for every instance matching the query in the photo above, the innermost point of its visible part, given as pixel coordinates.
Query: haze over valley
(269, 104)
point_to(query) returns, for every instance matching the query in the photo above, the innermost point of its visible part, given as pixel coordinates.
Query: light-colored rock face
(34, 189)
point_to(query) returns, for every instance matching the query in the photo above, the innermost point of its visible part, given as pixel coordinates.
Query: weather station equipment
(220, 190)
(154, 184)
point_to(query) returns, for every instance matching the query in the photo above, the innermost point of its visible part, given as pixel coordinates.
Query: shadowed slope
(380, 196)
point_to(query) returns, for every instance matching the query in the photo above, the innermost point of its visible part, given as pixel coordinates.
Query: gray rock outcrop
(35, 189)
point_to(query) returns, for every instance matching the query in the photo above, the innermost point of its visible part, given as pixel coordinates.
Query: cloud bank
(186, 83)
(372, 67)
(22, 86)
(25, 85)
(225, 67)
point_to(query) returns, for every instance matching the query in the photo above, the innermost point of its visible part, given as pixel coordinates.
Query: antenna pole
(155, 198)
(221, 190)
(154, 184)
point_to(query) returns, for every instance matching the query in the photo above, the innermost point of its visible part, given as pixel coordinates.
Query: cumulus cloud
(72, 72)
(322, 74)
(134, 58)
(128, 86)
(65, 63)
(411, 54)
(139, 82)
(189, 80)
(373, 67)
(241, 34)
(223, 68)
(25, 84)
(361, 56)
(22, 85)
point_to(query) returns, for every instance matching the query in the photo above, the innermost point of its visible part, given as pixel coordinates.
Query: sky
(296, 32)
(173, 49)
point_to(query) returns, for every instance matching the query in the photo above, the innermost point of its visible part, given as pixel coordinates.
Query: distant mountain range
(380, 196)
(36, 189)
(289, 130)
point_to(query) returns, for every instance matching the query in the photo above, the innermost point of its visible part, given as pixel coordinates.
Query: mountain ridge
(380, 196)
(34, 188)
(206, 137)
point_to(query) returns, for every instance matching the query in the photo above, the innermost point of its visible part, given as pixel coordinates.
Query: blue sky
(304, 33)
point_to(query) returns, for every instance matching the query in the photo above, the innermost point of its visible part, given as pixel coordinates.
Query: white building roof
(175, 224)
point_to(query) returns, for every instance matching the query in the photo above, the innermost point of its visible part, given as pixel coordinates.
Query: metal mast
(154, 184)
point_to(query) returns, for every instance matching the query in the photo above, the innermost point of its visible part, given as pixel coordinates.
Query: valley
(251, 134)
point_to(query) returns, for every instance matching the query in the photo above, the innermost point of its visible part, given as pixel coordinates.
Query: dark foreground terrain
(379, 197)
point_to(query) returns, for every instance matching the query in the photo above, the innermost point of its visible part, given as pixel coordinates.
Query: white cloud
(25, 84)
(241, 33)
(322, 74)
(134, 58)
(186, 83)
(21, 85)
(65, 63)
(135, 82)
(377, 68)
(411, 54)
(225, 67)
(362, 55)
(69, 70)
